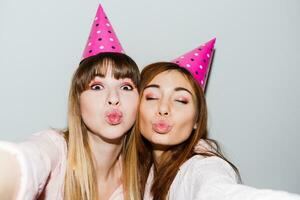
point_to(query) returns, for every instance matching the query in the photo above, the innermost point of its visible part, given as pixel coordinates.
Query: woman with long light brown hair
(85, 161)
(170, 155)
(159, 145)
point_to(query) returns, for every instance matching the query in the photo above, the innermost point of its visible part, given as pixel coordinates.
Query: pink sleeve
(38, 157)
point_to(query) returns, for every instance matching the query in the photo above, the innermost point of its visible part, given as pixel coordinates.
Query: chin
(159, 139)
(115, 131)
(112, 138)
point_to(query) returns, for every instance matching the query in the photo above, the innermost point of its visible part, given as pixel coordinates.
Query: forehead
(109, 78)
(171, 79)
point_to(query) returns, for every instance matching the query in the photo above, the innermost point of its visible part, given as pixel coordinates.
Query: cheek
(90, 104)
(86, 112)
(84, 105)
(145, 120)
(186, 119)
(130, 104)
(147, 107)
(188, 116)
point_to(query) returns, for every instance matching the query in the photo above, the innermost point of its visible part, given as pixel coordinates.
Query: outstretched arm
(26, 168)
(9, 175)
(213, 178)
(218, 181)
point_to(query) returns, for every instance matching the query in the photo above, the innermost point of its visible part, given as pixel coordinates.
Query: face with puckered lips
(108, 107)
(167, 109)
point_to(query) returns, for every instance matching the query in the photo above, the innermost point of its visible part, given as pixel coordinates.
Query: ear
(195, 126)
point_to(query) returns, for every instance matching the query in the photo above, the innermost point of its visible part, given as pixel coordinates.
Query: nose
(113, 98)
(163, 108)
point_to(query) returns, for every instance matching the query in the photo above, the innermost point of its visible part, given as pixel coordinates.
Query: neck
(157, 155)
(105, 156)
(158, 150)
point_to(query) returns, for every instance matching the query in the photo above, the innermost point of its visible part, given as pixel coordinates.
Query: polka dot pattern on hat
(102, 37)
(198, 61)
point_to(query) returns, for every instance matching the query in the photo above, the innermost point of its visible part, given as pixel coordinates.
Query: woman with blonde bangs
(107, 118)
(85, 161)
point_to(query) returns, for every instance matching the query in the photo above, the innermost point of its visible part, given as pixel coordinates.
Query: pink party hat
(198, 61)
(102, 36)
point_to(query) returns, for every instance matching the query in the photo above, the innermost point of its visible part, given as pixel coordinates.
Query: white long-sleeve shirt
(35, 157)
(212, 178)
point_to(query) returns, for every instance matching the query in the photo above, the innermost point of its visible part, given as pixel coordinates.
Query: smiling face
(109, 105)
(167, 109)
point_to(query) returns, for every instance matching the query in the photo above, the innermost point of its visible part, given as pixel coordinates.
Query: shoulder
(47, 146)
(49, 133)
(200, 175)
(198, 171)
(48, 137)
(208, 167)
(204, 146)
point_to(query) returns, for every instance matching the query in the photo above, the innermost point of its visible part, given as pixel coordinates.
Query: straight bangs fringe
(122, 67)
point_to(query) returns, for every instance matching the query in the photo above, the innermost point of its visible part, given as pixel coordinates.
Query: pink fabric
(198, 61)
(102, 37)
(42, 161)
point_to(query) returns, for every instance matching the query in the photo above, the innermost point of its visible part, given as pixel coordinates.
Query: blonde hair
(138, 156)
(80, 178)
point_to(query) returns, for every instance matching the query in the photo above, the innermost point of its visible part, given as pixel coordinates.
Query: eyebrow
(183, 89)
(176, 89)
(152, 86)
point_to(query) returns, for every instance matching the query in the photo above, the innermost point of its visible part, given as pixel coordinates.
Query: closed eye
(151, 98)
(182, 101)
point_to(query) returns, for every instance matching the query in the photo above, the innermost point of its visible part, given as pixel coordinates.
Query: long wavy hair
(80, 178)
(139, 158)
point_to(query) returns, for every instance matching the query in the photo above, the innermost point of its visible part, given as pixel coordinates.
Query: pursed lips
(162, 126)
(114, 117)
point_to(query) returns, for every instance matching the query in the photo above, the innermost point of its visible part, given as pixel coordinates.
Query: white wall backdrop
(253, 92)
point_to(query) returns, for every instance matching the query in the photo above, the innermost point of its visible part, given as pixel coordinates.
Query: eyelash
(93, 87)
(151, 98)
(127, 85)
(180, 101)
(100, 87)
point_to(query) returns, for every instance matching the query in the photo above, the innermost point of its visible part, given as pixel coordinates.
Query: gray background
(253, 93)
